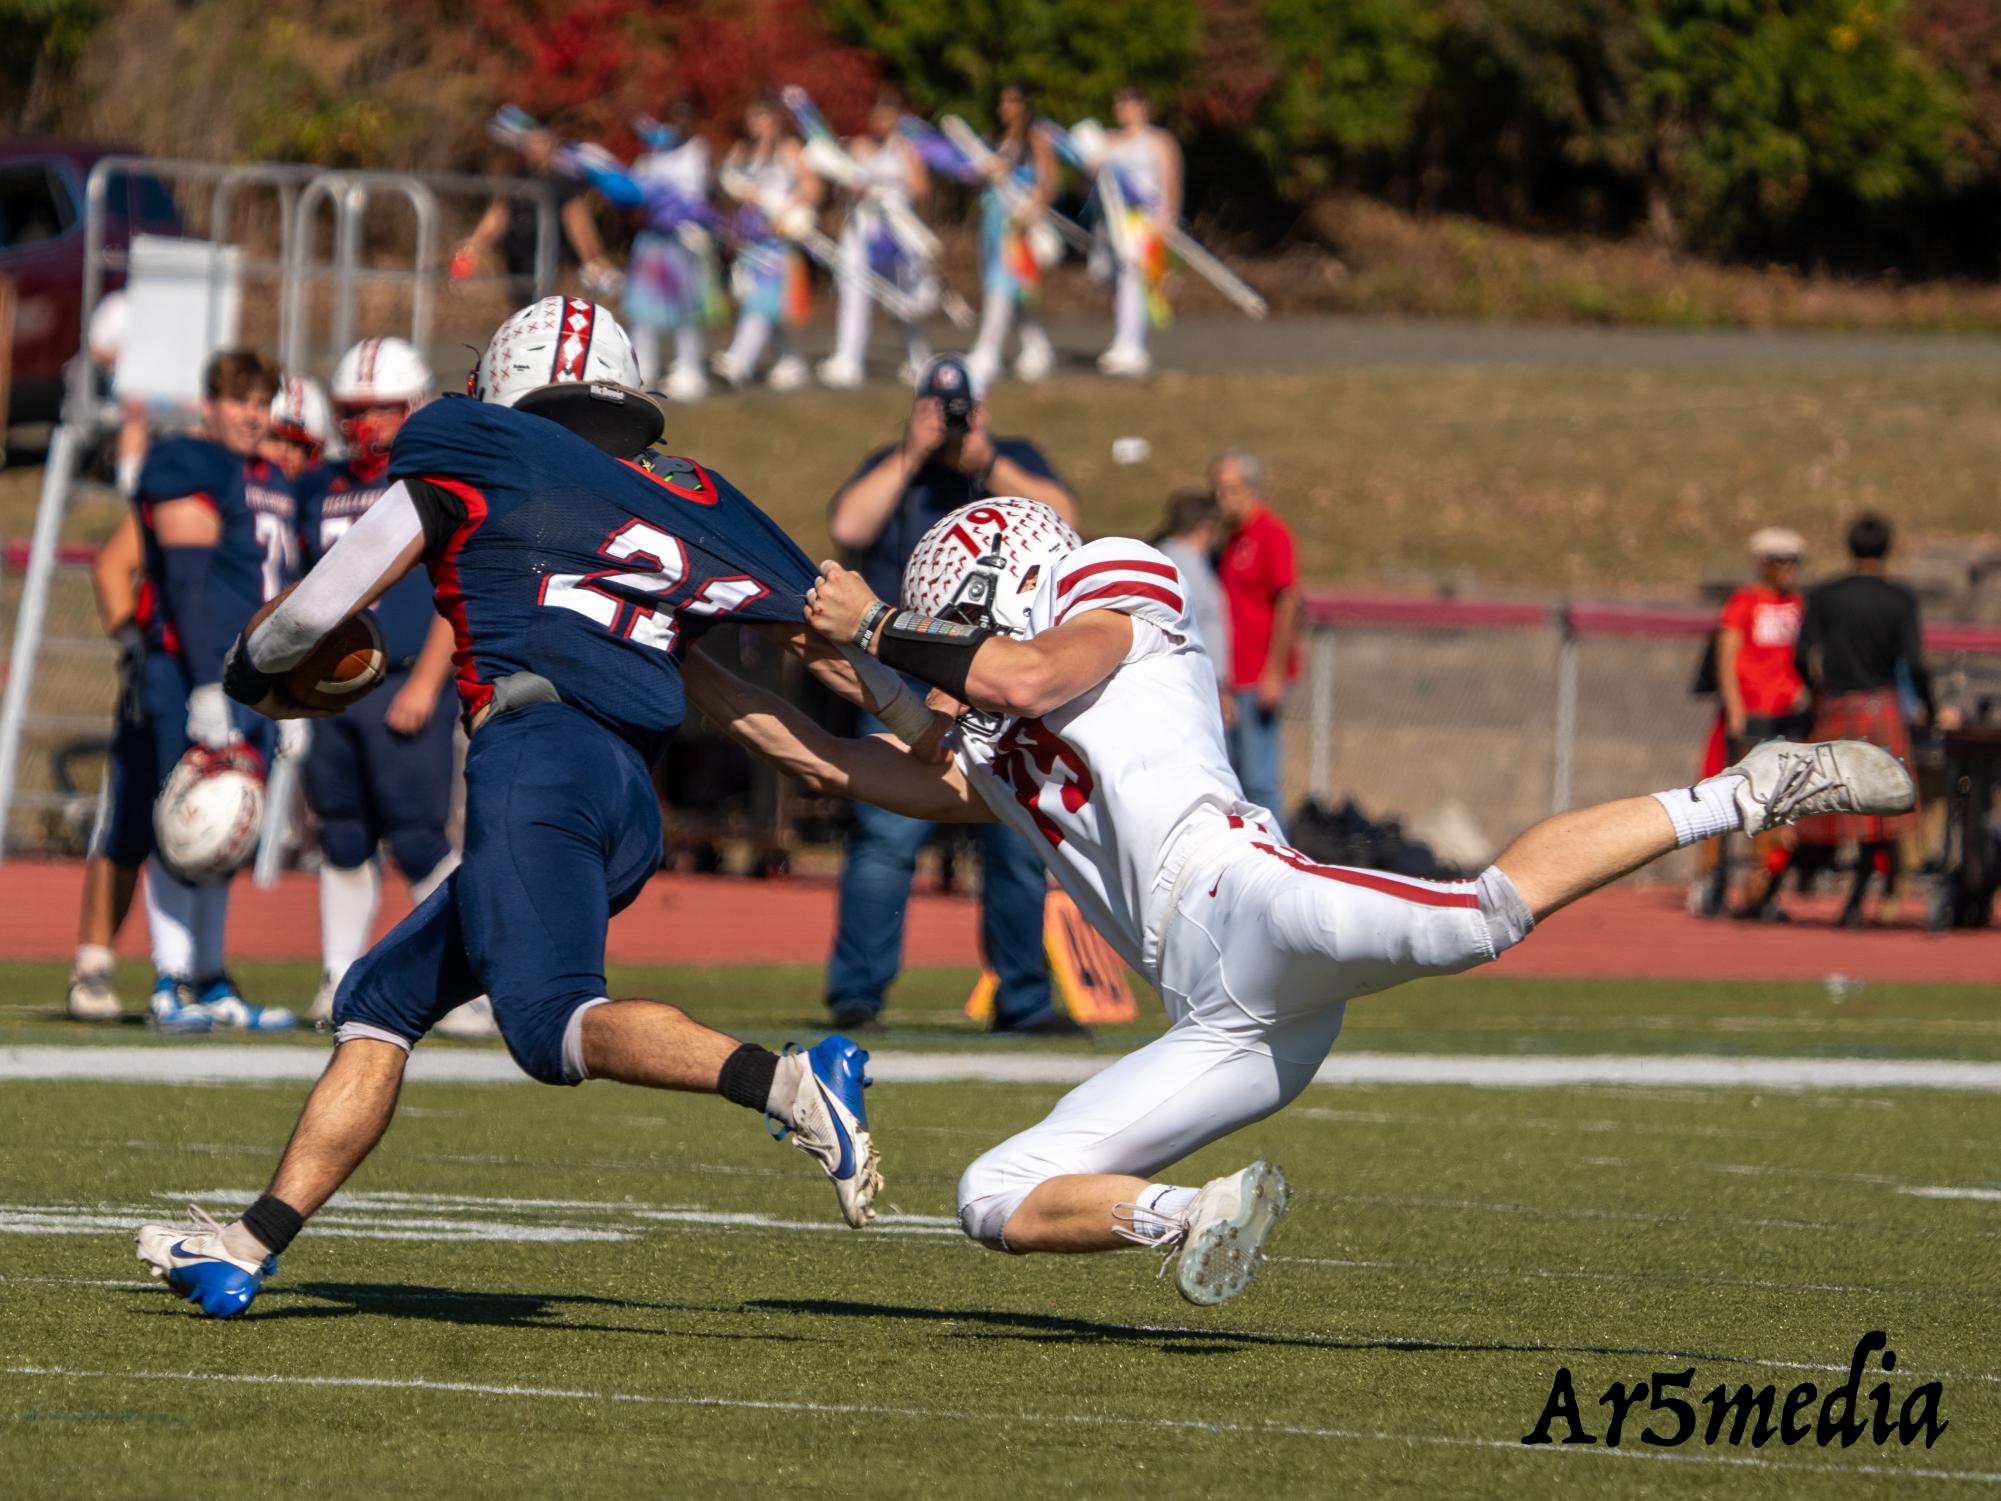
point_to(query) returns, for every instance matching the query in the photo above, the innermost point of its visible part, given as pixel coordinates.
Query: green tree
(38, 38)
(1349, 77)
(1073, 54)
(1752, 105)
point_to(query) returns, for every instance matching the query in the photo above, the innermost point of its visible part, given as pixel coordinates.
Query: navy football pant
(368, 785)
(562, 831)
(123, 833)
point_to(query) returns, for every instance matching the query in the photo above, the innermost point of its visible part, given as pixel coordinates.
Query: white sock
(1159, 1204)
(752, 330)
(347, 912)
(1703, 811)
(851, 317)
(996, 312)
(240, 1243)
(1129, 311)
(170, 916)
(211, 925)
(688, 349)
(95, 959)
(645, 341)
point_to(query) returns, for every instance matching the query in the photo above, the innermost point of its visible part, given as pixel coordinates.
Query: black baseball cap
(948, 378)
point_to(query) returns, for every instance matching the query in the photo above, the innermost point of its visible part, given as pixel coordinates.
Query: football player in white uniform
(1090, 723)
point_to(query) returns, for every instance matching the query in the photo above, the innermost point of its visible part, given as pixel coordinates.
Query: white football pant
(1258, 963)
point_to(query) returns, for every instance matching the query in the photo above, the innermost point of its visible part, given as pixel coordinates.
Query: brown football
(350, 664)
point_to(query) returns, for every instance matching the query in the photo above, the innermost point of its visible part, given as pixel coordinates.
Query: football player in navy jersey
(574, 565)
(382, 772)
(217, 525)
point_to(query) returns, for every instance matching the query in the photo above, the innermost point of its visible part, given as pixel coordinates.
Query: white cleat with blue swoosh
(192, 1260)
(821, 1091)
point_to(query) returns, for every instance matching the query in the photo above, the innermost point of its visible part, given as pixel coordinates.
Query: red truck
(41, 252)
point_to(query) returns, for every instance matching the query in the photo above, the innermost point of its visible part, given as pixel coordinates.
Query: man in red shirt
(1763, 696)
(1260, 577)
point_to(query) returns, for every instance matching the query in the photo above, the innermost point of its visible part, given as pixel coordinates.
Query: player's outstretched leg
(221, 1268)
(814, 1096)
(1572, 854)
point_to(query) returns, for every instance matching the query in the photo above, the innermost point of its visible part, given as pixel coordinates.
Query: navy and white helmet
(567, 359)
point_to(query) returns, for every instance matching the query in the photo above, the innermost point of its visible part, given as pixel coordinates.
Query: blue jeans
(875, 892)
(1254, 742)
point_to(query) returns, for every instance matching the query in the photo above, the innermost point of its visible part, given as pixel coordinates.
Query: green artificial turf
(1471, 1014)
(1449, 1250)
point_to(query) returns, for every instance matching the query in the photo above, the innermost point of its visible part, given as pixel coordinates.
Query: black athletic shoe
(1049, 1024)
(857, 1019)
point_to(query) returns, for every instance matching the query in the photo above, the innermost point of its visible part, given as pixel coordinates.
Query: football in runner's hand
(348, 665)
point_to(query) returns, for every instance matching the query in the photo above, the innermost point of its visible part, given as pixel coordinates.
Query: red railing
(1402, 612)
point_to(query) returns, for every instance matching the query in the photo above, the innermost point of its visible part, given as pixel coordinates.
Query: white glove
(795, 221)
(208, 717)
(294, 735)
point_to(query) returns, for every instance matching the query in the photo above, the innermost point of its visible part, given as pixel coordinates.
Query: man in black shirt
(1858, 630)
(511, 222)
(946, 459)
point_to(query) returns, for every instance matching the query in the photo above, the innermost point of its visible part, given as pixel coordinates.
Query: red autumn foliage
(587, 65)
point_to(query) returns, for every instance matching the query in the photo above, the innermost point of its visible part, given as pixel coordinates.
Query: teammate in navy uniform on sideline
(217, 523)
(381, 773)
(573, 578)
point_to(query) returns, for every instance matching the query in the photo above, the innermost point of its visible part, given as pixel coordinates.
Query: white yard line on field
(226, 1063)
(966, 1417)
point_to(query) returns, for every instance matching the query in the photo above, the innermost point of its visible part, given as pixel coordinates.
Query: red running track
(1627, 932)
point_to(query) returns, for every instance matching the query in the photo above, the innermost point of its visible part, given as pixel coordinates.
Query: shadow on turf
(1054, 1328)
(450, 1305)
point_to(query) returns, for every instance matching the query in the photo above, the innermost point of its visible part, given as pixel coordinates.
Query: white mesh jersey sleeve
(1115, 573)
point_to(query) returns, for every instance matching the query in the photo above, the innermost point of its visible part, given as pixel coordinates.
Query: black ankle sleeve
(274, 1222)
(747, 1075)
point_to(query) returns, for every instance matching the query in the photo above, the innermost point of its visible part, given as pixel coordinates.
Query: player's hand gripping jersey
(255, 556)
(550, 557)
(1120, 784)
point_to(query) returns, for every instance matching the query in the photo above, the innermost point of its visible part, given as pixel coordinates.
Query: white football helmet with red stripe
(300, 414)
(984, 562)
(558, 340)
(210, 814)
(375, 374)
(567, 359)
(381, 373)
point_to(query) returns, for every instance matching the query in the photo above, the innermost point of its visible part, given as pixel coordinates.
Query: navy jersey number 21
(562, 561)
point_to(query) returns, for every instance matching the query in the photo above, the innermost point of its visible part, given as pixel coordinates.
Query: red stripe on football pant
(1423, 896)
(1123, 591)
(450, 594)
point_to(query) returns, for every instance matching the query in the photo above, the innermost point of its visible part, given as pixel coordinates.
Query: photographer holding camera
(946, 459)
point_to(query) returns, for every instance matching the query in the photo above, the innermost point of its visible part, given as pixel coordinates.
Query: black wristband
(241, 679)
(938, 652)
(872, 619)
